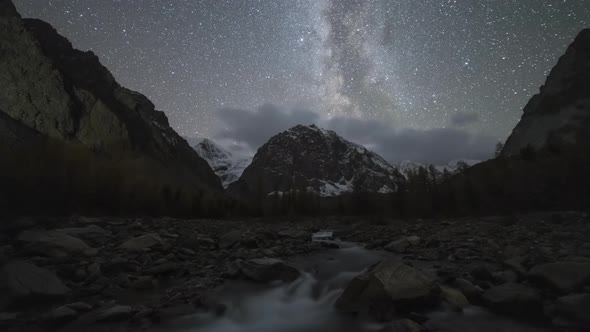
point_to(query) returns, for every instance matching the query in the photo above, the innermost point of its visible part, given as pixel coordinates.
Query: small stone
(143, 282)
(230, 239)
(142, 242)
(62, 315)
(115, 314)
(163, 268)
(403, 325)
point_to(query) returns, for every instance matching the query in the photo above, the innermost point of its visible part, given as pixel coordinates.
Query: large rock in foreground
(388, 287)
(24, 284)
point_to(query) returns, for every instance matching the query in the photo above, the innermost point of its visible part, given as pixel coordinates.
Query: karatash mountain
(307, 158)
(51, 91)
(560, 113)
(226, 166)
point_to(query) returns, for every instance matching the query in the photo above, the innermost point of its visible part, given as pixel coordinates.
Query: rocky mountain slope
(68, 95)
(226, 166)
(317, 160)
(560, 113)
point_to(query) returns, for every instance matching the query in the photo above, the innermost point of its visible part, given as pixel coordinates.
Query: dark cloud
(251, 129)
(254, 128)
(464, 118)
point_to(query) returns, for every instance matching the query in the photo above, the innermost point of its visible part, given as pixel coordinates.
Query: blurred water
(307, 304)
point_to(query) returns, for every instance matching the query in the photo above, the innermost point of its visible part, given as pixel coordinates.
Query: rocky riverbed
(130, 274)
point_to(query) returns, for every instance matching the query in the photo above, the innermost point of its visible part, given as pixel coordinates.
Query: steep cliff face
(312, 159)
(69, 95)
(560, 113)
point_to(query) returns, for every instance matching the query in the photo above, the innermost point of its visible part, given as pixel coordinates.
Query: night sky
(409, 68)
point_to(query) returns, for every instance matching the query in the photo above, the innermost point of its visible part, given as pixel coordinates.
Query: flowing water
(307, 304)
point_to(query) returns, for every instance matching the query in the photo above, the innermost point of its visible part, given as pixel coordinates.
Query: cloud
(251, 129)
(248, 130)
(463, 119)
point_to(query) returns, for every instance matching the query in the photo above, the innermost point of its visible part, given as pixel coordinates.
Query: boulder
(22, 283)
(387, 287)
(454, 298)
(115, 314)
(514, 299)
(90, 230)
(472, 292)
(55, 243)
(399, 246)
(267, 269)
(403, 325)
(563, 276)
(575, 308)
(414, 240)
(142, 242)
(61, 315)
(230, 239)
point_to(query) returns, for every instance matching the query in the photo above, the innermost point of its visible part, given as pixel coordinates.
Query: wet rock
(516, 265)
(472, 292)
(403, 325)
(389, 286)
(142, 282)
(293, 234)
(514, 299)
(230, 239)
(22, 283)
(90, 230)
(454, 298)
(195, 241)
(505, 276)
(80, 306)
(62, 315)
(54, 243)
(563, 276)
(115, 314)
(574, 307)
(163, 268)
(482, 272)
(142, 242)
(267, 269)
(399, 246)
(414, 240)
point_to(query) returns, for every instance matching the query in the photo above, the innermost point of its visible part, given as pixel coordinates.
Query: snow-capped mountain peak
(317, 160)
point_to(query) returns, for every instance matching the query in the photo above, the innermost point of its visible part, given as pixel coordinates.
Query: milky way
(411, 63)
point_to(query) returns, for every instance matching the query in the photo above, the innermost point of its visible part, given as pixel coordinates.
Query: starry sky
(415, 66)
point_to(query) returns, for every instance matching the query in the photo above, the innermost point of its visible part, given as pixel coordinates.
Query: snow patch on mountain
(226, 166)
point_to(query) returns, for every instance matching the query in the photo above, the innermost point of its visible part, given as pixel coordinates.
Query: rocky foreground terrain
(92, 273)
